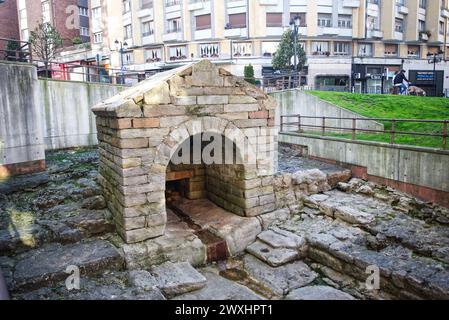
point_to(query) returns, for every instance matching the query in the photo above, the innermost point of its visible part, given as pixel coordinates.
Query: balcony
(268, 2)
(445, 13)
(203, 34)
(198, 4)
(328, 31)
(375, 34)
(146, 13)
(400, 9)
(423, 36)
(172, 36)
(235, 32)
(172, 6)
(351, 3)
(274, 31)
(148, 39)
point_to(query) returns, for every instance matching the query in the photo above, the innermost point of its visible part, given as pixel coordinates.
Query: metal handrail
(299, 125)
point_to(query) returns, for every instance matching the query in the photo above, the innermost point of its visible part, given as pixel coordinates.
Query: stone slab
(318, 293)
(273, 256)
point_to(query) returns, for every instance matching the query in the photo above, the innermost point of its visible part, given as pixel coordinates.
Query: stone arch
(140, 129)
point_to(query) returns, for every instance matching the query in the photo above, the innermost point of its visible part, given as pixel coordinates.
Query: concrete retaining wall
(21, 137)
(422, 172)
(68, 121)
(299, 102)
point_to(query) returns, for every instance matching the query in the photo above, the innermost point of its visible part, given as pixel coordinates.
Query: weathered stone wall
(22, 148)
(65, 107)
(421, 172)
(293, 102)
(140, 129)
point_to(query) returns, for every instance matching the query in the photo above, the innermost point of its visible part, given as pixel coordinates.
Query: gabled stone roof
(163, 88)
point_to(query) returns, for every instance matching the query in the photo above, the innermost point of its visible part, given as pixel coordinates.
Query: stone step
(47, 265)
(350, 250)
(219, 288)
(33, 231)
(174, 279)
(110, 285)
(275, 257)
(318, 293)
(280, 280)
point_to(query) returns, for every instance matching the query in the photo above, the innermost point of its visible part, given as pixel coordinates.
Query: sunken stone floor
(319, 248)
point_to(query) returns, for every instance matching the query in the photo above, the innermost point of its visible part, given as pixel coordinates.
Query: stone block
(241, 99)
(212, 99)
(184, 100)
(163, 110)
(138, 235)
(126, 110)
(167, 122)
(160, 94)
(145, 123)
(133, 223)
(250, 123)
(135, 143)
(258, 115)
(120, 123)
(234, 116)
(241, 107)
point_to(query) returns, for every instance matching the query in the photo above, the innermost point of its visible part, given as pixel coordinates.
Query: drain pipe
(4, 295)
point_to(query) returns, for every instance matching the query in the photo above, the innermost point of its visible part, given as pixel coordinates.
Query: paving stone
(318, 293)
(280, 280)
(47, 265)
(278, 238)
(143, 279)
(177, 278)
(219, 288)
(273, 256)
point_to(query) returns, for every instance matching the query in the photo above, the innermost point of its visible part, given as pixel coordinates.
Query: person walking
(401, 82)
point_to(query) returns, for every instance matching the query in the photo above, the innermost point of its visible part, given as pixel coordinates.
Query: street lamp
(295, 23)
(121, 47)
(435, 57)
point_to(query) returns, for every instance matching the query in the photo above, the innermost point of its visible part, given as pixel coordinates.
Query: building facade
(69, 17)
(356, 44)
(10, 30)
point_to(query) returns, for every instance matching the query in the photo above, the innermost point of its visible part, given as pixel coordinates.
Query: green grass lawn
(394, 107)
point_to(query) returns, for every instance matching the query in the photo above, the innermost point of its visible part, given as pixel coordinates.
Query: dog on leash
(415, 91)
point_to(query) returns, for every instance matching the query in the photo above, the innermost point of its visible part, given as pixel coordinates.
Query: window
(372, 23)
(128, 31)
(242, 49)
(146, 4)
(423, 4)
(169, 3)
(302, 18)
(209, 50)
(98, 37)
(342, 48)
(391, 50)
(236, 21)
(177, 53)
(345, 21)
(414, 51)
(325, 20)
(46, 12)
(269, 48)
(400, 2)
(365, 49)
(126, 6)
(147, 28)
(320, 48)
(399, 25)
(83, 11)
(421, 26)
(153, 55)
(84, 31)
(203, 22)
(274, 19)
(96, 13)
(441, 28)
(128, 58)
(25, 34)
(174, 25)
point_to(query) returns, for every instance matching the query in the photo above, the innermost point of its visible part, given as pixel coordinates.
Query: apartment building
(69, 17)
(10, 30)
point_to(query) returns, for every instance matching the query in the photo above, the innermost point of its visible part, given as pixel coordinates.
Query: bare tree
(45, 41)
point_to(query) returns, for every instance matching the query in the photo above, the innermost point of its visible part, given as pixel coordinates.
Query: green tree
(283, 56)
(13, 51)
(249, 74)
(45, 41)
